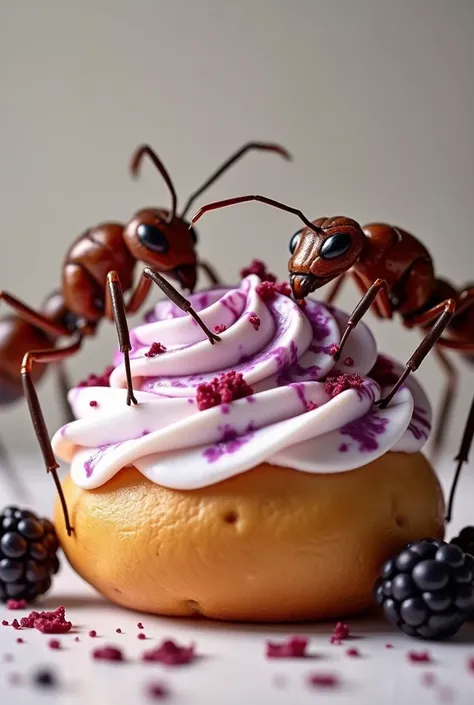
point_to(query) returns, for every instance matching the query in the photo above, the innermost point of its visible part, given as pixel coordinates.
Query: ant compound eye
(152, 238)
(295, 240)
(335, 245)
(193, 235)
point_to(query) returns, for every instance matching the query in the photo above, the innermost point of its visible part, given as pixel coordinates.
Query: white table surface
(232, 668)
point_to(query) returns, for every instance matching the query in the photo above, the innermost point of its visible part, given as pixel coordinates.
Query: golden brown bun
(271, 544)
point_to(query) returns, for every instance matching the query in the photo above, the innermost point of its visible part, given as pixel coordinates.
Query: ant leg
(211, 273)
(179, 300)
(139, 295)
(44, 357)
(461, 458)
(429, 341)
(445, 408)
(379, 286)
(37, 319)
(115, 308)
(335, 289)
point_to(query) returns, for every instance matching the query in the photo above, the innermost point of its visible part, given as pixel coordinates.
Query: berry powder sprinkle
(224, 389)
(419, 656)
(323, 680)
(155, 349)
(108, 653)
(54, 644)
(170, 654)
(295, 647)
(335, 385)
(254, 320)
(340, 632)
(259, 268)
(220, 328)
(16, 604)
(48, 622)
(98, 380)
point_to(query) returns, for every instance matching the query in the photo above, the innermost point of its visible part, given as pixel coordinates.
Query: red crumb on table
(118, 630)
(140, 625)
(220, 328)
(157, 691)
(389, 646)
(16, 604)
(76, 638)
(92, 633)
(323, 680)
(353, 653)
(294, 647)
(19, 640)
(141, 635)
(419, 657)
(335, 385)
(224, 389)
(470, 664)
(340, 632)
(170, 653)
(311, 406)
(54, 644)
(98, 380)
(16, 624)
(108, 653)
(254, 320)
(4, 623)
(155, 349)
(428, 679)
(259, 268)
(48, 622)
(349, 362)
(93, 403)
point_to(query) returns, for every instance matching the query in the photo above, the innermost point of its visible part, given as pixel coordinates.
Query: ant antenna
(260, 199)
(146, 150)
(262, 146)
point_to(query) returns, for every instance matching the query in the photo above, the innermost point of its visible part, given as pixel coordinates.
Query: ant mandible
(395, 273)
(96, 271)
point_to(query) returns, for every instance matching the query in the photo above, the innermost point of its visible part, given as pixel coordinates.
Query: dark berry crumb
(419, 656)
(20, 640)
(118, 630)
(254, 320)
(220, 328)
(93, 403)
(157, 691)
(16, 604)
(92, 633)
(170, 653)
(54, 644)
(141, 635)
(340, 632)
(335, 385)
(140, 625)
(45, 678)
(323, 680)
(353, 653)
(349, 362)
(155, 349)
(389, 646)
(224, 389)
(16, 624)
(333, 349)
(259, 268)
(108, 653)
(4, 623)
(294, 647)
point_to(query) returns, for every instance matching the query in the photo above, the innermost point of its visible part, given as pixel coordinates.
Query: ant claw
(213, 339)
(131, 399)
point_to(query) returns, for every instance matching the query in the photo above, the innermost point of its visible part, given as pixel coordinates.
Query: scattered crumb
(157, 691)
(349, 362)
(340, 632)
(170, 654)
(254, 320)
(353, 653)
(92, 633)
(54, 644)
(419, 657)
(294, 647)
(220, 328)
(140, 625)
(155, 349)
(20, 640)
(93, 402)
(4, 623)
(108, 653)
(141, 635)
(16, 604)
(118, 630)
(323, 680)
(53, 622)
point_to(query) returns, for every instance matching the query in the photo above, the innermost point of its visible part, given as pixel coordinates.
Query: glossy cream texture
(284, 354)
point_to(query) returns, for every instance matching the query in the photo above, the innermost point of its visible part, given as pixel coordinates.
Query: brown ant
(395, 273)
(97, 269)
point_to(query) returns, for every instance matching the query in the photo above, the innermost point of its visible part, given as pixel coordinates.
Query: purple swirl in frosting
(290, 419)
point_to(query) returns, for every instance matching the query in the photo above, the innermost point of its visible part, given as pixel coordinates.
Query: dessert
(255, 479)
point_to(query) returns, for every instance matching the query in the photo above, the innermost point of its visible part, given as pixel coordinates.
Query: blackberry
(28, 559)
(465, 540)
(427, 590)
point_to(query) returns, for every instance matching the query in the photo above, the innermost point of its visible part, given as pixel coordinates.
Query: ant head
(322, 253)
(164, 243)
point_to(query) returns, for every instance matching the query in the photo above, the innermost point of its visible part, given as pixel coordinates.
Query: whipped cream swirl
(291, 418)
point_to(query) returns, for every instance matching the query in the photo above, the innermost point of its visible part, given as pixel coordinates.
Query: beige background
(374, 98)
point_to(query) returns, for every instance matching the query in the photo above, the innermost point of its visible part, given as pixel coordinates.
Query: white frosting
(289, 420)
